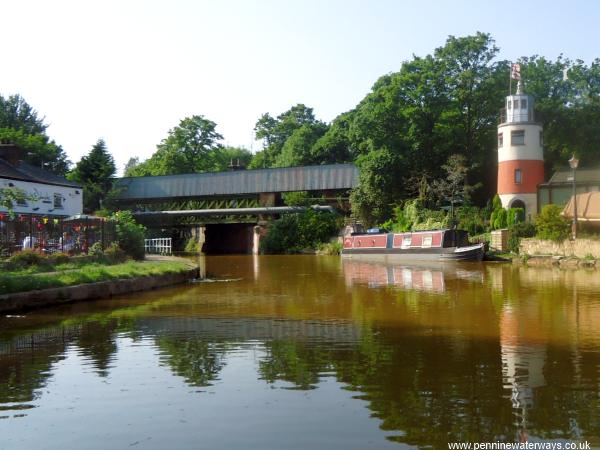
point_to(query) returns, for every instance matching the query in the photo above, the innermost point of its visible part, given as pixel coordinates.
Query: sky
(128, 71)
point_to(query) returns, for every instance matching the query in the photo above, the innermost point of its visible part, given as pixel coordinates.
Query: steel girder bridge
(244, 196)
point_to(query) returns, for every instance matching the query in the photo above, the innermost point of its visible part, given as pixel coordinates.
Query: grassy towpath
(24, 280)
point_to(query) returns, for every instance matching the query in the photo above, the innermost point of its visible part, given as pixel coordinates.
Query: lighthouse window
(541, 139)
(517, 137)
(524, 103)
(516, 103)
(500, 139)
(518, 176)
(508, 105)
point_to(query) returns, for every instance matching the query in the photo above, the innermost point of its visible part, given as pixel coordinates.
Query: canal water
(303, 352)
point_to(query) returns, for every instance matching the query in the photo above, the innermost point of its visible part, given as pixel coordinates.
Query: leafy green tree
(454, 187)
(568, 107)
(297, 148)
(334, 145)
(224, 157)
(17, 114)
(275, 133)
(130, 165)
(20, 124)
(95, 172)
(130, 234)
(379, 186)
(189, 148)
(9, 196)
(293, 233)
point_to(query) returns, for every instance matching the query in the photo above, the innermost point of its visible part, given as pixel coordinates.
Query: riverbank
(94, 281)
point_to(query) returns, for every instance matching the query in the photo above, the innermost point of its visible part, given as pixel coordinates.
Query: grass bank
(25, 280)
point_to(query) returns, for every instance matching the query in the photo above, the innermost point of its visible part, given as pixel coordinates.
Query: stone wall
(54, 296)
(579, 248)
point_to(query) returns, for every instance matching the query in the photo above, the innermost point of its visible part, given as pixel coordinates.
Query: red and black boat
(431, 245)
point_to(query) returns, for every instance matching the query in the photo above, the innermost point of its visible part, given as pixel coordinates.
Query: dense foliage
(551, 225)
(426, 131)
(95, 172)
(20, 124)
(516, 232)
(130, 234)
(293, 233)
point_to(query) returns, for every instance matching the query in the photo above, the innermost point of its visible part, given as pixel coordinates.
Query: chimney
(10, 152)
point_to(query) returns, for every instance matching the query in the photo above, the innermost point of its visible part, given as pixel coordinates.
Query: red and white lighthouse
(520, 153)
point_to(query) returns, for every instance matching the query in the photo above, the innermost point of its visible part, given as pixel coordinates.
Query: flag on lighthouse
(515, 71)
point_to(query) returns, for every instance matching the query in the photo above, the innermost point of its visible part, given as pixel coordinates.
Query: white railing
(161, 246)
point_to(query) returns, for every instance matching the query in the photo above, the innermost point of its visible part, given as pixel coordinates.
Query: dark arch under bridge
(222, 207)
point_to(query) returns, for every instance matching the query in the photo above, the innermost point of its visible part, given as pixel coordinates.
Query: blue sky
(129, 70)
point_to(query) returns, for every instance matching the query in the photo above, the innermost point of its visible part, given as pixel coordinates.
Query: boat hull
(430, 246)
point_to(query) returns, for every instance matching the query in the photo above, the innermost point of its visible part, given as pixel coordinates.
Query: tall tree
(95, 172)
(189, 147)
(275, 132)
(131, 164)
(20, 124)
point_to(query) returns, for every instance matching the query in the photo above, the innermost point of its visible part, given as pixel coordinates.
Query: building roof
(584, 175)
(27, 172)
(242, 182)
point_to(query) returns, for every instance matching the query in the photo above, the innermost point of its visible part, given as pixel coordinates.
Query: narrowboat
(431, 245)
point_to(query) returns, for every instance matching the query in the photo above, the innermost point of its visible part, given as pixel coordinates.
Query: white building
(50, 194)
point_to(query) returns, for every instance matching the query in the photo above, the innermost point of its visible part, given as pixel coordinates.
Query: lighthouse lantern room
(520, 153)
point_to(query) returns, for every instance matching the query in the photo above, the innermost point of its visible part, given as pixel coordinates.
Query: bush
(331, 248)
(551, 225)
(26, 258)
(498, 219)
(295, 232)
(130, 234)
(518, 231)
(115, 254)
(514, 216)
(471, 219)
(59, 258)
(96, 249)
(192, 245)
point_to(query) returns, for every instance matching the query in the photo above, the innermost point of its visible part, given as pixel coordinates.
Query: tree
(9, 196)
(95, 172)
(568, 107)
(20, 124)
(224, 157)
(16, 113)
(131, 164)
(296, 150)
(379, 186)
(454, 188)
(130, 234)
(189, 148)
(275, 133)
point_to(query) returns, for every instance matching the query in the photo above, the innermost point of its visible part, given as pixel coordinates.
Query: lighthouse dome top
(518, 108)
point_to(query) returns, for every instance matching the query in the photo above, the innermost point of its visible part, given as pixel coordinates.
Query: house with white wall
(48, 194)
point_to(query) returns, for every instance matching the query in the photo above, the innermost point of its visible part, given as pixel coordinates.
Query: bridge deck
(243, 182)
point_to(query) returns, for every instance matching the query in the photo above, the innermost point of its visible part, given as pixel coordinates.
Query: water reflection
(430, 278)
(452, 353)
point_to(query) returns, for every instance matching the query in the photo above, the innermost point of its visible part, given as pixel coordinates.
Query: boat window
(406, 240)
(427, 239)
